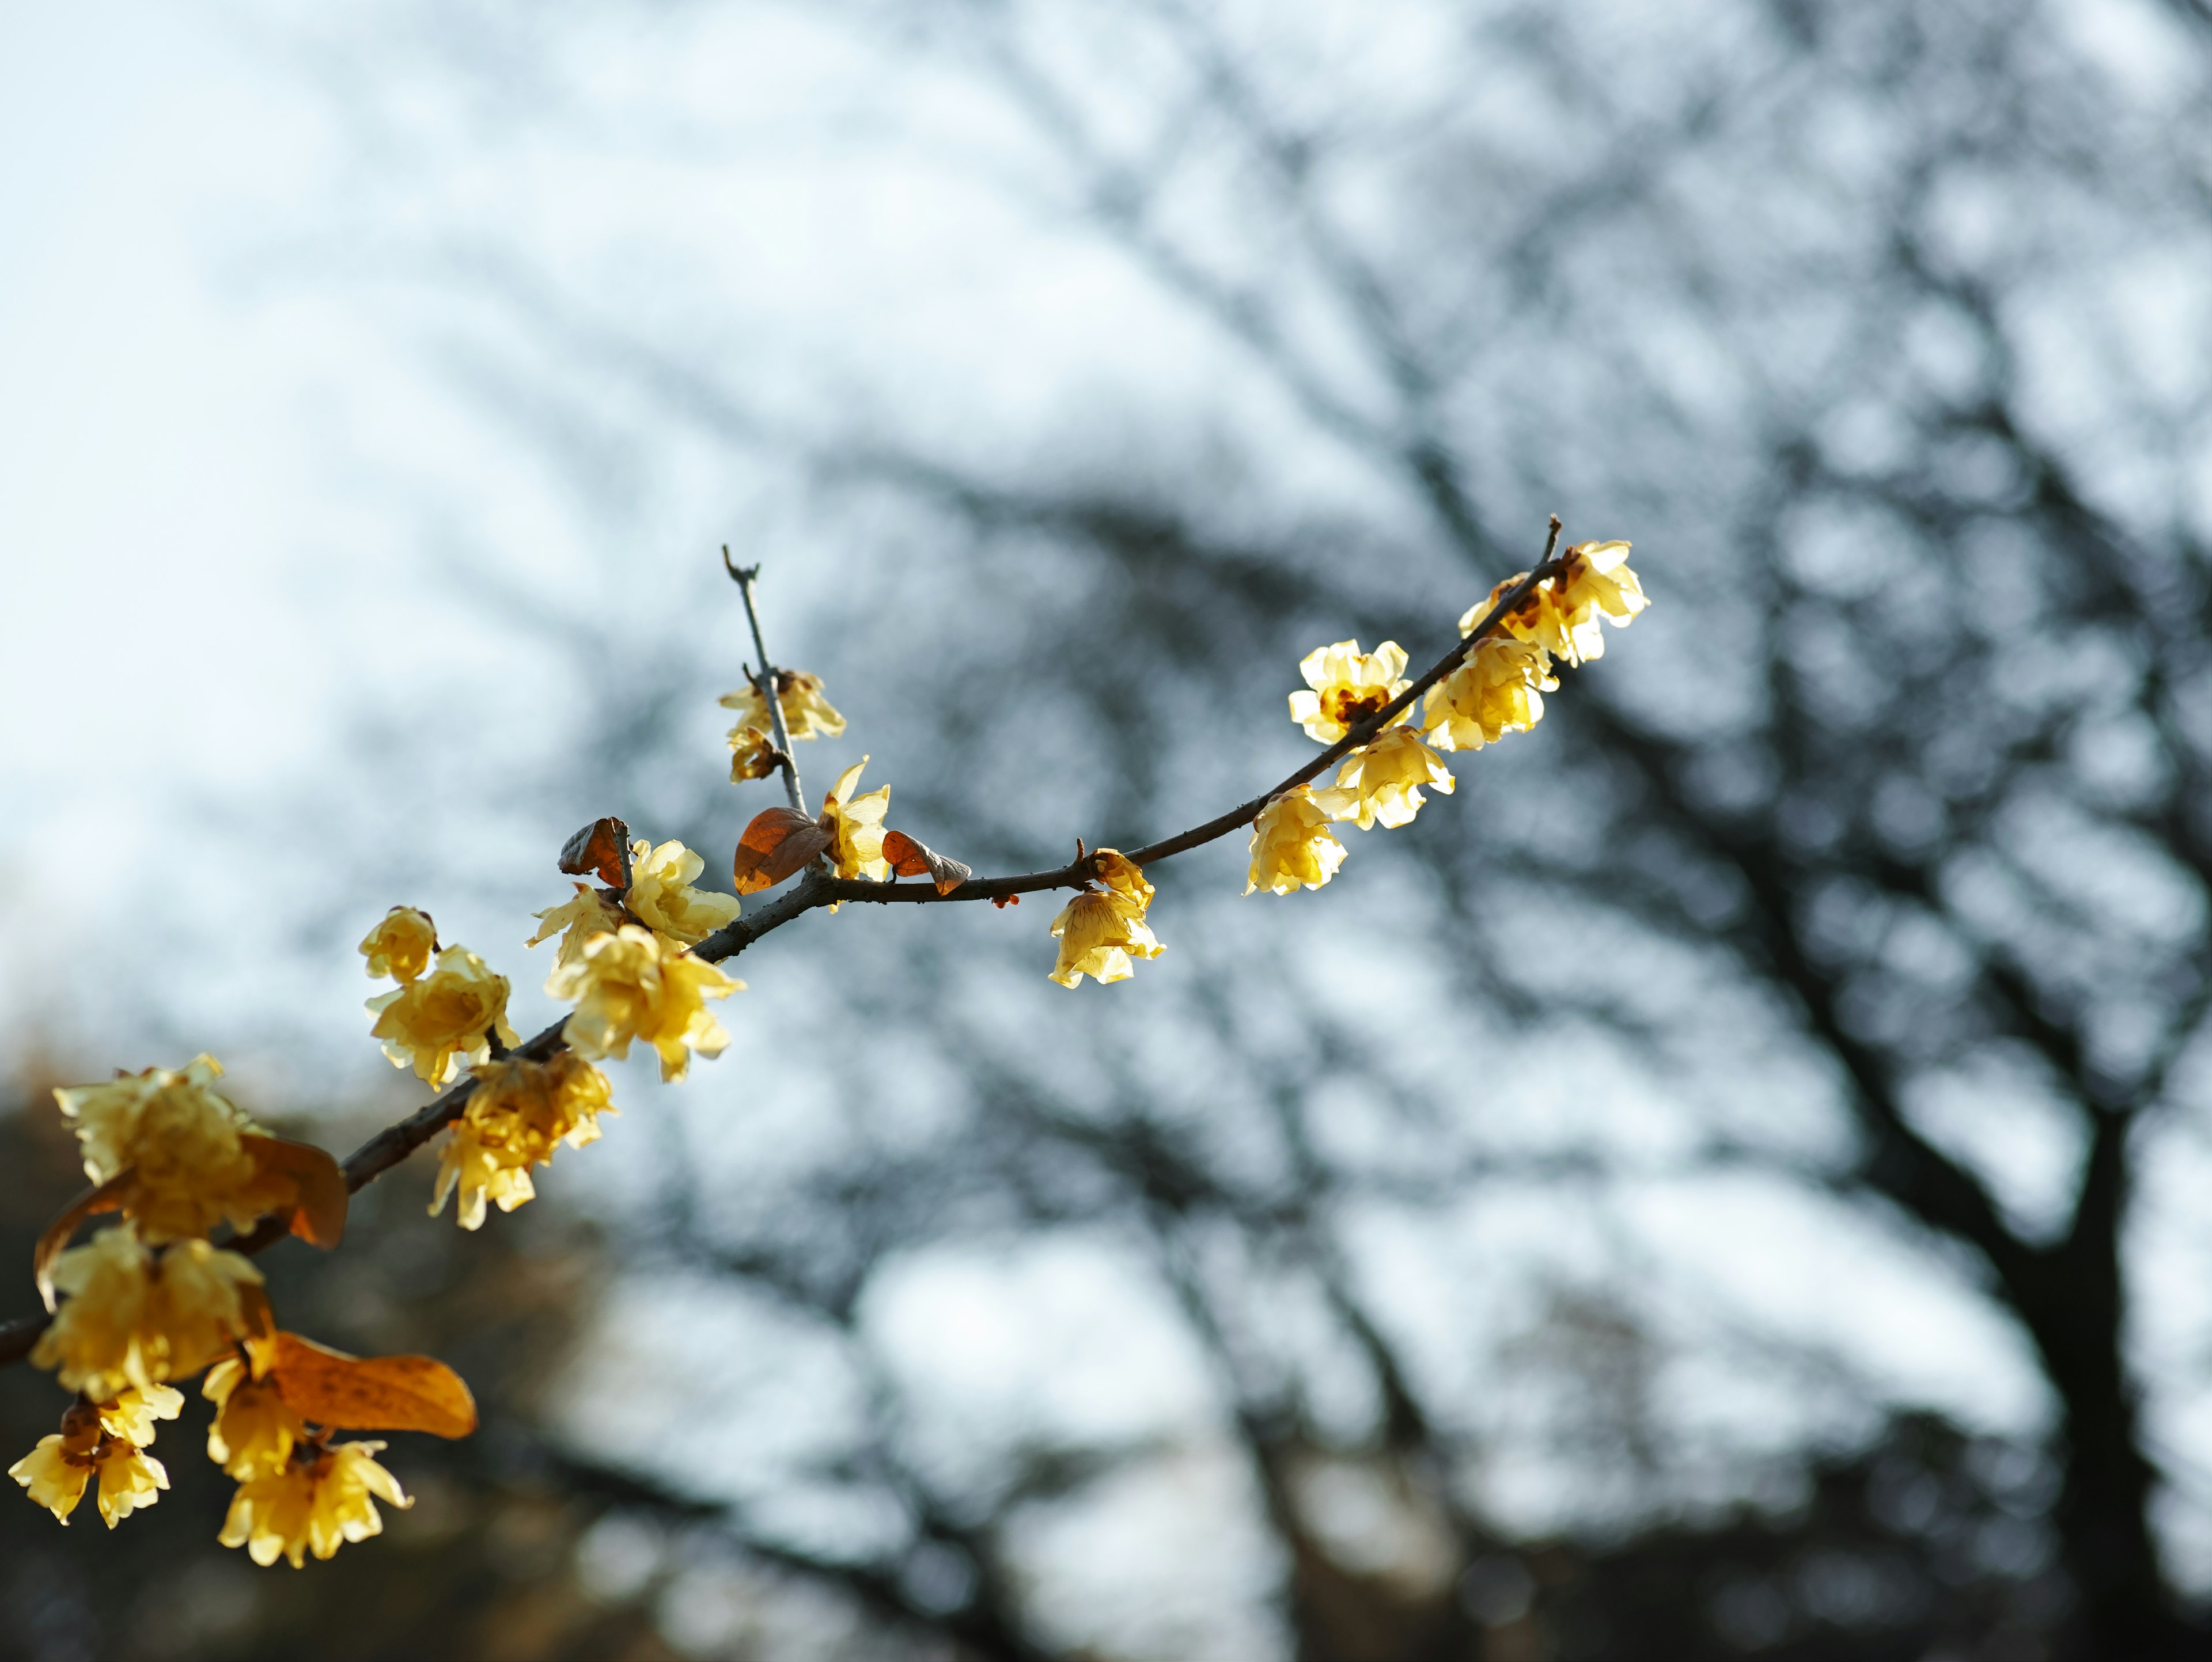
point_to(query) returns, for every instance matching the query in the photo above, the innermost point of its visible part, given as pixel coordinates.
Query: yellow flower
(1291, 842)
(312, 1505)
(59, 1470)
(855, 825)
(629, 985)
(132, 1415)
(520, 1113)
(1561, 613)
(806, 713)
(662, 897)
(254, 1430)
(752, 753)
(589, 914)
(1385, 776)
(1498, 689)
(445, 1018)
(1596, 583)
(401, 946)
(134, 1318)
(1124, 877)
(180, 1140)
(128, 1478)
(1097, 933)
(1346, 687)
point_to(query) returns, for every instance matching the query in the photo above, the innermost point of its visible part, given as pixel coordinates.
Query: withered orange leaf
(317, 1181)
(374, 1393)
(603, 847)
(779, 842)
(105, 1198)
(911, 857)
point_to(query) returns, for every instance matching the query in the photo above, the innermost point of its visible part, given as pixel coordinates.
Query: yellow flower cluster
(312, 1504)
(1497, 688)
(855, 825)
(806, 715)
(661, 896)
(136, 1317)
(519, 1112)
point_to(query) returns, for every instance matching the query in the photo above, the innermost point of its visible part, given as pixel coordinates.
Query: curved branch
(392, 1145)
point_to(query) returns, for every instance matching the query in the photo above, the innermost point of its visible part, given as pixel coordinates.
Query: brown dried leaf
(377, 1393)
(911, 857)
(779, 842)
(108, 1197)
(603, 847)
(317, 1185)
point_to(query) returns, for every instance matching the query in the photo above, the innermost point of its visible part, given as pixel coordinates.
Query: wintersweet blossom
(1597, 583)
(806, 713)
(1291, 842)
(59, 1470)
(445, 1018)
(314, 1505)
(629, 985)
(1498, 688)
(576, 922)
(855, 825)
(1561, 613)
(520, 1112)
(1124, 877)
(1344, 687)
(1385, 778)
(254, 1430)
(402, 946)
(1098, 932)
(752, 753)
(179, 1139)
(131, 1414)
(134, 1317)
(662, 897)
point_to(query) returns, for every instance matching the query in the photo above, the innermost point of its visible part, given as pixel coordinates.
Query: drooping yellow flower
(254, 1430)
(1385, 778)
(314, 1505)
(1291, 842)
(752, 753)
(589, 914)
(1345, 687)
(662, 897)
(128, 1478)
(629, 985)
(855, 825)
(132, 1413)
(57, 1471)
(402, 946)
(444, 1018)
(180, 1140)
(134, 1317)
(1098, 932)
(806, 713)
(1498, 688)
(520, 1113)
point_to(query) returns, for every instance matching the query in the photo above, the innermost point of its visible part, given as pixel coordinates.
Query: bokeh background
(1726, 1182)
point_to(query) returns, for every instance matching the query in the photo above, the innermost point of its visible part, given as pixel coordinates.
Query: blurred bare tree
(1881, 860)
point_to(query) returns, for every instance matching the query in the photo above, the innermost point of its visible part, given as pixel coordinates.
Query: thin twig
(745, 576)
(392, 1145)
